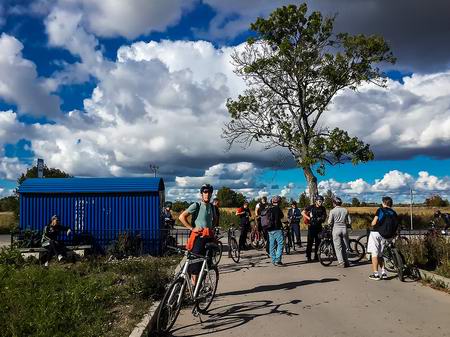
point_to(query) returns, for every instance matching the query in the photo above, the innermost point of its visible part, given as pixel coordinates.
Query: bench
(37, 252)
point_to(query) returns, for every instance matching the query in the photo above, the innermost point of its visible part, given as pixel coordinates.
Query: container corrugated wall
(103, 216)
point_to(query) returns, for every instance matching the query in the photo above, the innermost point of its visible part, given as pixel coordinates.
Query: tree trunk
(312, 183)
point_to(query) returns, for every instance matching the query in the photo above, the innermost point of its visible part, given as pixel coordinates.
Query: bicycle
(181, 289)
(327, 253)
(233, 247)
(288, 237)
(394, 262)
(364, 239)
(257, 240)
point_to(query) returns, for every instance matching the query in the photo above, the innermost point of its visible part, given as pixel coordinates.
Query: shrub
(11, 257)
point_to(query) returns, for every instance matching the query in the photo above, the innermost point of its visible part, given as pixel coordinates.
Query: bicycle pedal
(195, 312)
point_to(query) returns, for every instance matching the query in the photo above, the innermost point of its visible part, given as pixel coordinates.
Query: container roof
(91, 185)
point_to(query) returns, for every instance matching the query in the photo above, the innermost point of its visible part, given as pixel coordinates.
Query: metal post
(411, 205)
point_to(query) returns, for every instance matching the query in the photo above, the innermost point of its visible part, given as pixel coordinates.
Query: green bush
(11, 257)
(429, 252)
(82, 299)
(228, 219)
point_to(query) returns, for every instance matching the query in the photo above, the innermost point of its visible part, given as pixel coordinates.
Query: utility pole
(154, 169)
(411, 205)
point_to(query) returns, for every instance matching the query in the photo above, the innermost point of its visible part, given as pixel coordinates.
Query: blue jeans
(276, 236)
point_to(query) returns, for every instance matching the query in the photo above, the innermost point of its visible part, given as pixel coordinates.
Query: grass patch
(89, 298)
(7, 222)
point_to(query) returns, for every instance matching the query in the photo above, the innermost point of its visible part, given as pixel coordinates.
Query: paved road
(256, 298)
(5, 240)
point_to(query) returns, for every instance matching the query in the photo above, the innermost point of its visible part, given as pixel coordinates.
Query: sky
(106, 88)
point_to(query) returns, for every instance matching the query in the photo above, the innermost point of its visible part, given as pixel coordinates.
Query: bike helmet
(318, 197)
(206, 187)
(276, 199)
(337, 200)
(168, 204)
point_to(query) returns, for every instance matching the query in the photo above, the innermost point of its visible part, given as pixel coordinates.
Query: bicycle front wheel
(170, 306)
(235, 252)
(208, 289)
(356, 251)
(326, 253)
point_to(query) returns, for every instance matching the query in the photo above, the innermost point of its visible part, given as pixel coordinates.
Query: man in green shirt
(201, 226)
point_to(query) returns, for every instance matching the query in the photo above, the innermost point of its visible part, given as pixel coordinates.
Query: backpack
(388, 224)
(267, 217)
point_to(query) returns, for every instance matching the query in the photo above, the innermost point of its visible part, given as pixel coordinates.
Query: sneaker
(341, 265)
(279, 264)
(384, 276)
(46, 264)
(60, 257)
(374, 277)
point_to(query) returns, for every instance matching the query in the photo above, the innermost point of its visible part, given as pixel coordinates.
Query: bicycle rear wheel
(208, 289)
(356, 252)
(389, 263)
(217, 254)
(326, 253)
(398, 259)
(235, 252)
(287, 244)
(170, 306)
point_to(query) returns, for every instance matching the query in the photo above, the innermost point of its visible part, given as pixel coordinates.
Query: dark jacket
(318, 215)
(277, 215)
(52, 232)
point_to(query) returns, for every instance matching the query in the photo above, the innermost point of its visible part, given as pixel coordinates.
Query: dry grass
(7, 221)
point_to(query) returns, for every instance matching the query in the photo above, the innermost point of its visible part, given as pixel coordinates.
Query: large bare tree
(293, 67)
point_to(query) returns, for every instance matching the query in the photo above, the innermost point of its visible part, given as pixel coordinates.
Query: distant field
(6, 222)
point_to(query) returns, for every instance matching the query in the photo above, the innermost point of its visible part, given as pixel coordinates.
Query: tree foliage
(293, 67)
(180, 205)
(436, 201)
(328, 202)
(355, 202)
(303, 201)
(48, 172)
(229, 198)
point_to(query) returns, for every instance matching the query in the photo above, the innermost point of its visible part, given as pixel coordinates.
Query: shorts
(200, 249)
(376, 244)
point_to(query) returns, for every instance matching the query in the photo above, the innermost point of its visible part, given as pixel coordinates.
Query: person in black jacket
(276, 232)
(314, 215)
(50, 239)
(244, 215)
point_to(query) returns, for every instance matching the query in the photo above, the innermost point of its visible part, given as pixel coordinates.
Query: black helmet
(276, 199)
(437, 214)
(337, 200)
(168, 204)
(206, 187)
(318, 197)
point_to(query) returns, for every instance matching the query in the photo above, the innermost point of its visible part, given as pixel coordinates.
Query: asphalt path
(255, 298)
(5, 240)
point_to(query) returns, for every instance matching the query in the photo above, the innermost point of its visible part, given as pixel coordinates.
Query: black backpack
(267, 220)
(388, 224)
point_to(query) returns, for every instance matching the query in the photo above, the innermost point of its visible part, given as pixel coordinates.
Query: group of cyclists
(201, 218)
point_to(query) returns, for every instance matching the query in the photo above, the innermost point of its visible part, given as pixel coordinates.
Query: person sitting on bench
(50, 239)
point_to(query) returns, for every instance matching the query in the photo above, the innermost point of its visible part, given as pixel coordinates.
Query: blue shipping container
(101, 208)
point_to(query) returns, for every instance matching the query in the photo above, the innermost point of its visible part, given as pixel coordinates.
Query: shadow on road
(233, 315)
(272, 287)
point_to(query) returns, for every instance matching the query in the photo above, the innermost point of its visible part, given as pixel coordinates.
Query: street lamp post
(154, 169)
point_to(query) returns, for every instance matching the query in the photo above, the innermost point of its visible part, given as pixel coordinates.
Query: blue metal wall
(103, 215)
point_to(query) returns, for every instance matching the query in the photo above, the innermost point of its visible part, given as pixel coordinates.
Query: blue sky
(106, 88)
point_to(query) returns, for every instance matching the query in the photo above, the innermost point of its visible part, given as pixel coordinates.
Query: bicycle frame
(193, 292)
